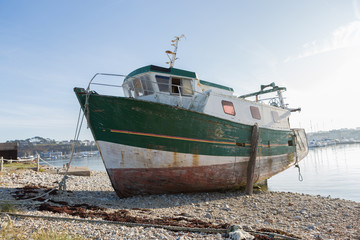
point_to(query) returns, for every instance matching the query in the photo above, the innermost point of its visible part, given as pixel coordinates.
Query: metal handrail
(131, 90)
(140, 80)
(104, 74)
(108, 85)
(152, 82)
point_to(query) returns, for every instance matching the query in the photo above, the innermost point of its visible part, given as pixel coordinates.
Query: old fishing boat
(173, 132)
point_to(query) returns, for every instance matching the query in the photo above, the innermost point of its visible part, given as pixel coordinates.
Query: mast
(172, 54)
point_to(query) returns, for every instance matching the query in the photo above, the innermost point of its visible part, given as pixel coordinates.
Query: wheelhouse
(151, 79)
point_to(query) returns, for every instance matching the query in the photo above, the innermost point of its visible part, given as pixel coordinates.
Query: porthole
(228, 107)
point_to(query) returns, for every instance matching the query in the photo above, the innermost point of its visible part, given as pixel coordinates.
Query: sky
(49, 47)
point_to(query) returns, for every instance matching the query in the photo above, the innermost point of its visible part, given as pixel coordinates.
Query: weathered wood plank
(252, 160)
(9, 150)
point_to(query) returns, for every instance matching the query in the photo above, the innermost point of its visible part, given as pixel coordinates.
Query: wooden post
(1, 164)
(37, 162)
(252, 160)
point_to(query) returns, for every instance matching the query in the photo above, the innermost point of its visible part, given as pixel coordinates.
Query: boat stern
(301, 144)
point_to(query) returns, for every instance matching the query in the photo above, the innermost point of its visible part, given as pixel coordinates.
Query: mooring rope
(62, 184)
(300, 176)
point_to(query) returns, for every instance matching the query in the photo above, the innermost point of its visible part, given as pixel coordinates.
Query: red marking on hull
(141, 181)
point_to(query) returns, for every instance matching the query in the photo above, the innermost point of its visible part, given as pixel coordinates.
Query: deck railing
(138, 88)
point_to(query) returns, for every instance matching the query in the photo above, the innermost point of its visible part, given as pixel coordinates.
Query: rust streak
(175, 163)
(122, 163)
(195, 162)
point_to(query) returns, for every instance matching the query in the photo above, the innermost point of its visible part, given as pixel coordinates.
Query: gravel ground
(305, 216)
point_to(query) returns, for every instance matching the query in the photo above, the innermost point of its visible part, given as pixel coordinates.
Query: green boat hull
(151, 148)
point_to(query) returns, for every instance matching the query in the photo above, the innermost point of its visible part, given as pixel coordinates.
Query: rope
(20, 201)
(300, 176)
(62, 184)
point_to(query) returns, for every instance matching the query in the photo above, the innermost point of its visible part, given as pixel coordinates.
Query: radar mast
(172, 54)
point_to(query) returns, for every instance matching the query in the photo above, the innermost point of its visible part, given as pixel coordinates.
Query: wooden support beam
(37, 162)
(1, 164)
(252, 160)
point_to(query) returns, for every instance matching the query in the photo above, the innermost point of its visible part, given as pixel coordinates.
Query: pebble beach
(302, 216)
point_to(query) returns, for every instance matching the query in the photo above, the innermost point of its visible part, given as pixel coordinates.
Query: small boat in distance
(173, 132)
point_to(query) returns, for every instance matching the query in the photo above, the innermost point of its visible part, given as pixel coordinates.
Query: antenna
(172, 54)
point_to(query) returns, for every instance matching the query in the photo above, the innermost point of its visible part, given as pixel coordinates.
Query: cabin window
(127, 91)
(130, 87)
(186, 87)
(147, 85)
(175, 85)
(228, 107)
(138, 88)
(275, 116)
(163, 83)
(255, 112)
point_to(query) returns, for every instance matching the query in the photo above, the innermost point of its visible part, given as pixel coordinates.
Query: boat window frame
(147, 86)
(182, 86)
(225, 104)
(255, 112)
(157, 78)
(131, 89)
(186, 89)
(126, 89)
(139, 90)
(175, 86)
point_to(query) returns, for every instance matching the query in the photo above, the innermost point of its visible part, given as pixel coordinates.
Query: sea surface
(327, 171)
(94, 163)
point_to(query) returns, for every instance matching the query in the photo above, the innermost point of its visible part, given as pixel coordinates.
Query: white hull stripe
(123, 156)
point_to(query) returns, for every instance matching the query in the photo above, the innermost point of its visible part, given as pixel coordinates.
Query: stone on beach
(305, 216)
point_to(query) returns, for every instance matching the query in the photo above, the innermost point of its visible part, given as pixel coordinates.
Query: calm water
(94, 163)
(333, 170)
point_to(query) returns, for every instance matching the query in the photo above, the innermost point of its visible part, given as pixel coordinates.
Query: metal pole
(2, 164)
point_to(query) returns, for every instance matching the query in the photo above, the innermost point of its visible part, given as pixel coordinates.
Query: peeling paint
(163, 149)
